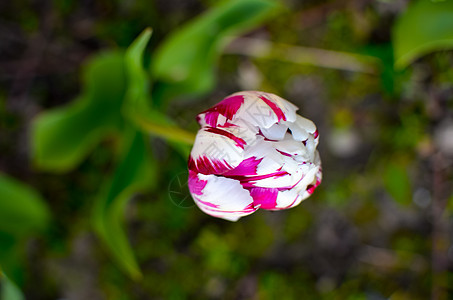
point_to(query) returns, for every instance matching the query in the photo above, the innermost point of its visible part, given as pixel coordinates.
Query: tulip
(253, 151)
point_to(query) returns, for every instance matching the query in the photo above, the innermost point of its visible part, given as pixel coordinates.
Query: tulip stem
(260, 48)
(165, 130)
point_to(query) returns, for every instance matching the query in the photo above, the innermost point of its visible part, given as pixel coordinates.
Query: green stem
(165, 130)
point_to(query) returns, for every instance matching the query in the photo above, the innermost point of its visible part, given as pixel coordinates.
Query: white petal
(271, 159)
(306, 124)
(275, 132)
(290, 146)
(287, 199)
(224, 198)
(308, 179)
(301, 128)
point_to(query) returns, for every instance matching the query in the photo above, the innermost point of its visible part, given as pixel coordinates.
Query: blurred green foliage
(25, 212)
(22, 214)
(135, 173)
(63, 137)
(118, 94)
(185, 63)
(425, 27)
(9, 291)
(397, 182)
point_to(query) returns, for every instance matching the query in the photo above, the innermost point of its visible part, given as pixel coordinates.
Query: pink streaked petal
(307, 193)
(208, 204)
(292, 174)
(264, 197)
(230, 215)
(196, 185)
(239, 142)
(206, 165)
(224, 197)
(310, 178)
(266, 109)
(255, 111)
(211, 118)
(246, 168)
(287, 107)
(284, 153)
(311, 187)
(227, 108)
(253, 181)
(216, 209)
(215, 153)
(227, 125)
(277, 110)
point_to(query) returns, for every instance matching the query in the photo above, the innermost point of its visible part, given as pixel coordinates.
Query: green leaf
(134, 173)
(425, 27)
(137, 95)
(137, 104)
(22, 213)
(22, 210)
(8, 290)
(62, 137)
(388, 74)
(185, 61)
(397, 183)
(12, 252)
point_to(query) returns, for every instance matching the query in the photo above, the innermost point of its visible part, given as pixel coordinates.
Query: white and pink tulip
(253, 151)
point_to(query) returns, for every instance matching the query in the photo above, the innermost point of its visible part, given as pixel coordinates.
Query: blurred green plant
(22, 213)
(8, 289)
(63, 137)
(184, 63)
(425, 27)
(397, 182)
(117, 101)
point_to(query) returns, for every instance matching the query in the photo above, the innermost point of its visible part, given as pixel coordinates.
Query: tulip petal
(246, 168)
(266, 198)
(275, 132)
(215, 153)
(221, 197)
(226, 108)
(265, 109)
(287, 199)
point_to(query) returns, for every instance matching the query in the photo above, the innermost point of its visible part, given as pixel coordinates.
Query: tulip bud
(253, 151)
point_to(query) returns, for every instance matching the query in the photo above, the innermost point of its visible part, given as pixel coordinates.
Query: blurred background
(378, 227)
